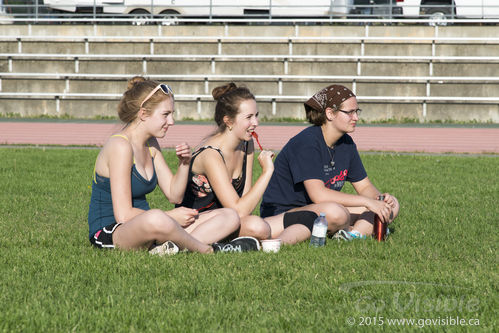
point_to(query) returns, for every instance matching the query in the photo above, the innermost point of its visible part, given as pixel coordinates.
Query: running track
(368, 138)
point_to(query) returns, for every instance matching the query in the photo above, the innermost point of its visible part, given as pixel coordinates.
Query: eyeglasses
(350, 113)
(164, 88)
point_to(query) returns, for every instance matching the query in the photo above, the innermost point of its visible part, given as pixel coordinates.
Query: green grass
(439, 264)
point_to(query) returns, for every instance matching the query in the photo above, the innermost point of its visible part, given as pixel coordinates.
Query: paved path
(368, 138)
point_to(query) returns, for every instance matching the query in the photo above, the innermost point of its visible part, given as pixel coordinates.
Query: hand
(184, 153)
(183, 215)
(380, 208)
(394, 204)
(265, 160)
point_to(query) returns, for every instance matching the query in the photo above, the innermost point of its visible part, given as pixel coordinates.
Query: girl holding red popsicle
(221, 170)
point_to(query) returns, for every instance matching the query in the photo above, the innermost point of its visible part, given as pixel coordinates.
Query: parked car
(443, 9)
(436, 10)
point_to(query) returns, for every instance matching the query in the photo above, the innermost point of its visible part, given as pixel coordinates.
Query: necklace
(332, 156)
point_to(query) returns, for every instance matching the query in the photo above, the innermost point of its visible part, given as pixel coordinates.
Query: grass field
(439, 267)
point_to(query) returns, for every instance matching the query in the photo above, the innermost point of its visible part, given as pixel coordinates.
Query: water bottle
(319, 231)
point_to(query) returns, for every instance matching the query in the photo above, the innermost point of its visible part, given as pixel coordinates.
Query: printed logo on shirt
(337, 181)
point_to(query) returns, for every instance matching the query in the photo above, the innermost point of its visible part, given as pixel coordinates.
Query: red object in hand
(257, 141)
(379, 227)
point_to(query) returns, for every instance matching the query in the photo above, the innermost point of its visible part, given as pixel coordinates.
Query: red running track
(368, 138)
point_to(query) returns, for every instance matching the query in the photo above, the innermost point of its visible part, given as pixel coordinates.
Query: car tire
(436, 13)
(169, 17)
(140, 16)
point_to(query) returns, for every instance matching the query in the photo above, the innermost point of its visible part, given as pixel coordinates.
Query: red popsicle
(257, 141)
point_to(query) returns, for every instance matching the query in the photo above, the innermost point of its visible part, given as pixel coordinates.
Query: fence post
(211, 9)
(36, 10)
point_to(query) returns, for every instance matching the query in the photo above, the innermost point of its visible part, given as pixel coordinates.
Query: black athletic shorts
(103, 239)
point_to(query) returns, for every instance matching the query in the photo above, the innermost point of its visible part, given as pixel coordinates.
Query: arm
(366, 196)
(119, 157)
(319, 193)
(250, 158)
(384, 209)
(366, 188)
(215, 170)
(173, 186)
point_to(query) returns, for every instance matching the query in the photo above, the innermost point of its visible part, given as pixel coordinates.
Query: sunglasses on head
(164, 88)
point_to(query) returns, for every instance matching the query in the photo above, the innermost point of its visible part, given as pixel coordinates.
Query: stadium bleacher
(415, 72)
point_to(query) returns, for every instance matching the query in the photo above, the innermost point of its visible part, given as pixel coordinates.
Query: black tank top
(199, 194)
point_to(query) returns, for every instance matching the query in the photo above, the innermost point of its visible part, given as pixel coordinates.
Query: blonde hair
(138, 88)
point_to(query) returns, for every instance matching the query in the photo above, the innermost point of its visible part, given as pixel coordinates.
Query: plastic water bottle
(319, 231)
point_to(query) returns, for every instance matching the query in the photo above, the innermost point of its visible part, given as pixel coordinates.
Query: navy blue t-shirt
(304, 157)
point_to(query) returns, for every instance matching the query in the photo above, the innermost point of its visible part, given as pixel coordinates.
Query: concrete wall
(54, 43)
(242, 30)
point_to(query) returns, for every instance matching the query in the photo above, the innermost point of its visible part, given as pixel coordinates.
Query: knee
(159, 223)
(337, 215)
(396, 208)
(255, 226)
(231, 217)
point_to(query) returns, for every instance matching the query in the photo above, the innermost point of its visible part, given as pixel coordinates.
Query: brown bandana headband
(331, 96)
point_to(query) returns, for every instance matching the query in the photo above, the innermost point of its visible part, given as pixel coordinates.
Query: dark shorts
(103, 239)
(273, 210)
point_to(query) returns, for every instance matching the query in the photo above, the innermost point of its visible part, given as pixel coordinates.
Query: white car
(439, 10)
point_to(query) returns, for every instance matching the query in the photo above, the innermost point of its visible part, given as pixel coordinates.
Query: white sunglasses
(164, 88)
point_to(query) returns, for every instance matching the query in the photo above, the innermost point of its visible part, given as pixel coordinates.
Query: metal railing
(156, 12)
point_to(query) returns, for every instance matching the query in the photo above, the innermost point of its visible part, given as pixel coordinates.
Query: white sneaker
(342, 235)
(167, 248)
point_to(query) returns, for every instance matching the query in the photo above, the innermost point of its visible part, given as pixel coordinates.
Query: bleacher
(415, 72)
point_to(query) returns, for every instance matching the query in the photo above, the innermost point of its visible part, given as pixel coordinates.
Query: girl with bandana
(313, 166)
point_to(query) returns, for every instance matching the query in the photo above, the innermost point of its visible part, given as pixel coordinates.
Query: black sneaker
(240, 244)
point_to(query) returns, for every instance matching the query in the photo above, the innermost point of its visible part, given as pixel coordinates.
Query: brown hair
(137, 89)
(228, 98)
(315, 117)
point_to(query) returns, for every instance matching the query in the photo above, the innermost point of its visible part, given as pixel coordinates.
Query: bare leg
(395, 209)
(214, 225)
(337, 216)
(291, 235)
(254, 226)
(155, 226)
(362, 220)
